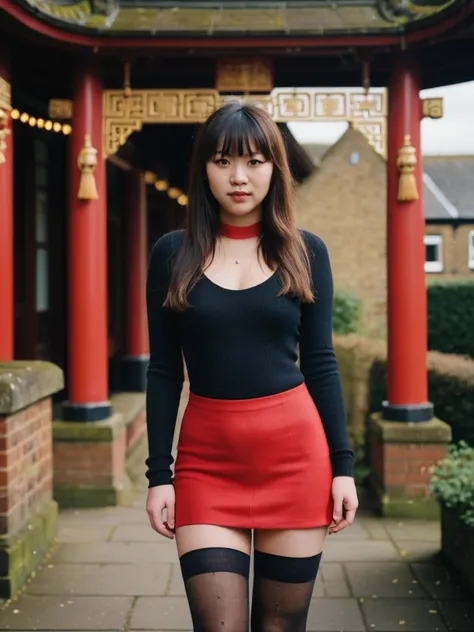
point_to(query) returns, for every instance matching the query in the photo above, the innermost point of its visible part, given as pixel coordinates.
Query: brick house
(344, 201)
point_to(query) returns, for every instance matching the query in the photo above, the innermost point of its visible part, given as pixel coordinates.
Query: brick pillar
(401, 457)
(28, 513)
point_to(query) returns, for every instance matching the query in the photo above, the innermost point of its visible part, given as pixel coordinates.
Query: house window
(471, 250)
(433, 253)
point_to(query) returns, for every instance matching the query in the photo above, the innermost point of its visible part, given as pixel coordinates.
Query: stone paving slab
(331, 582)
(104, 516)
(414, 530)
(388, 580)
(335, 615)
(161, 613)
(136, 533)
(459, 615)
(438, 582)
(338, 550)
(63, 613)
(418, 615)
(416, 551)
(85, 533)
(116, 553)
(97, 580)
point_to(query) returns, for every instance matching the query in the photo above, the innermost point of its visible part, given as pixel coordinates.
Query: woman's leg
(215, 567)
(286, 566)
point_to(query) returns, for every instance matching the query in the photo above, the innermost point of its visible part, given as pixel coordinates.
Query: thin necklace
(240, 232)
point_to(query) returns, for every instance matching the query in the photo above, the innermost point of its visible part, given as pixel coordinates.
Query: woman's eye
(255, 162)
(221, 161)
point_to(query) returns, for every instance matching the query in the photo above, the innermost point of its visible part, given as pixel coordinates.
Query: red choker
(240, 232)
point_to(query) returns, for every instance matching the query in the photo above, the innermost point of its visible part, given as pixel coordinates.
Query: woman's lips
(239, 196)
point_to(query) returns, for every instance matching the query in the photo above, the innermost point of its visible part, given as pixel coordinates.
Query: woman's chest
(257, 311)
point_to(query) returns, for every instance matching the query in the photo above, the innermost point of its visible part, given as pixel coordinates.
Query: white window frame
(470, 261)
(434, 240)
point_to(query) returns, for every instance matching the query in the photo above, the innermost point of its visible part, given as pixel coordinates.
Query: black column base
(132, 373)
(408, 413)
(95, 411)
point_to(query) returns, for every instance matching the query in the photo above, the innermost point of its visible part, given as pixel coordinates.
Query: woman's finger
(159, 526)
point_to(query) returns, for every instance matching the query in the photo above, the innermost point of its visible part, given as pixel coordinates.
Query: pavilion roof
(144, 18)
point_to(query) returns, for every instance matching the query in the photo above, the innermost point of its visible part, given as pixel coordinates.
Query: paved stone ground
(110, 571)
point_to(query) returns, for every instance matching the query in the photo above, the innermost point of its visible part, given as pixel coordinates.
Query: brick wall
(28, 513)
(345, 204)
(25, 464)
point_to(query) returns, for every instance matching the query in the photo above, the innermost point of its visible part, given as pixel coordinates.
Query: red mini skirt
(258, 463)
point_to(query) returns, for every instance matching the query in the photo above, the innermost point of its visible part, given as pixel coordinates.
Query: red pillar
(134, 365)
(87, 274)
(6, 213)
(407, 306)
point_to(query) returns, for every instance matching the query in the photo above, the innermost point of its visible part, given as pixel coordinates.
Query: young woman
(263, 445)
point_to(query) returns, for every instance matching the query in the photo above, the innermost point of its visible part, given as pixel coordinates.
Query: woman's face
(239, 183)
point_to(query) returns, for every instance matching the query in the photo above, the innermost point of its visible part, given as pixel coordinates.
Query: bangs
(237, 133)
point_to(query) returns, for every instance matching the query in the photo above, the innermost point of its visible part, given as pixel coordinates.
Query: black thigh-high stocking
(282, 592)
(216, 583)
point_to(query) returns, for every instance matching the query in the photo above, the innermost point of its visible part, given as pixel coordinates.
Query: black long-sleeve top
(240, 344)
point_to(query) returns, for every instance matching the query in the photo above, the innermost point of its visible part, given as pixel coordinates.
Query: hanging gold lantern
(87, 162)
(406, 163)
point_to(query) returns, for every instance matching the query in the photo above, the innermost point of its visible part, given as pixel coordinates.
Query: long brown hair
(233, 130)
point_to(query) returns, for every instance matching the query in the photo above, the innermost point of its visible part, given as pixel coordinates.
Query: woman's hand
(344, 495)
(159, 498)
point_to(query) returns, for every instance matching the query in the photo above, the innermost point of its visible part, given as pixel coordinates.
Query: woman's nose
(238, 175)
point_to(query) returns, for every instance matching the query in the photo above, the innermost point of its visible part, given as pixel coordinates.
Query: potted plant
(453, 485)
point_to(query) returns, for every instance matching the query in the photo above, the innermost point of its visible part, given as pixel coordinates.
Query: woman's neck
(254, 217)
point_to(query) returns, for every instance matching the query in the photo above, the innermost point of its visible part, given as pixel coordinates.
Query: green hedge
(363, 371)
(451, 317)
(347, 313)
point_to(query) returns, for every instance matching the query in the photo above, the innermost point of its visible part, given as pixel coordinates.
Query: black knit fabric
(240, 344)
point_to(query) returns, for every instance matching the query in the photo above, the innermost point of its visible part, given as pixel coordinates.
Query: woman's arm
(318, 360)
(165, 370)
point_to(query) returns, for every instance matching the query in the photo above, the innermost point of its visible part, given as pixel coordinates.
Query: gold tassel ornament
(406, 163)
(87, 162)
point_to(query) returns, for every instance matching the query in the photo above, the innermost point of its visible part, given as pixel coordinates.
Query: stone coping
(23, 383)
(125, 406)
(434, 431)
(129, 405)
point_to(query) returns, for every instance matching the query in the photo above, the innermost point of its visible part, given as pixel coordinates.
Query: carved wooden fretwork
(125, 114)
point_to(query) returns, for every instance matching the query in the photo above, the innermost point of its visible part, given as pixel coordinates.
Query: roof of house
(448, 182)
(454, 178)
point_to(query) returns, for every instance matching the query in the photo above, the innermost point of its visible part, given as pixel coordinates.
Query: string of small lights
(54, 126)
(162, 185)
(40, 123)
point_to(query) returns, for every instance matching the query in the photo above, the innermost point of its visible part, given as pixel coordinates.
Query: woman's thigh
(215, 567)
(291, 542)
(200, 536)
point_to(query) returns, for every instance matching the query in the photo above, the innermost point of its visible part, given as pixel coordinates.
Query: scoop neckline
(246, 289)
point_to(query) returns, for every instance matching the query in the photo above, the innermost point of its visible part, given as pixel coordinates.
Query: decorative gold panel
(60, 109)
(433, 108)
(244, 75)
(5, 95)
(125, 114)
